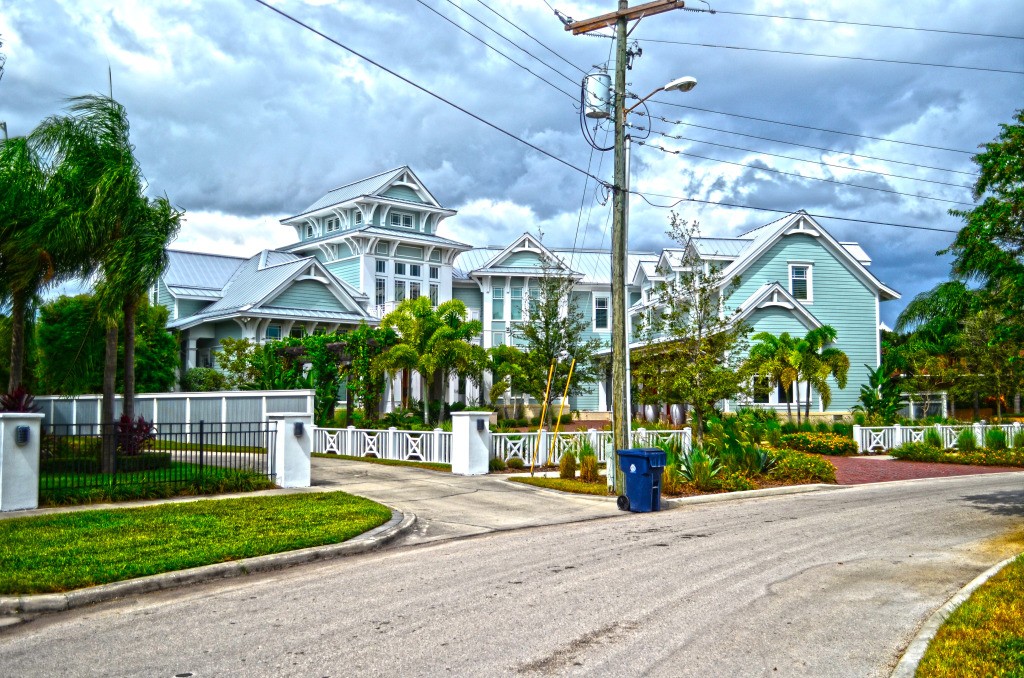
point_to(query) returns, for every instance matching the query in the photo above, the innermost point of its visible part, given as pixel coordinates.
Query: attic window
(800, 282)
(399, 220)
(332, 224)
(358, 218)
(309, 230)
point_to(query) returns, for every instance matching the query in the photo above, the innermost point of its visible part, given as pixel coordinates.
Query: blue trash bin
(641, 471)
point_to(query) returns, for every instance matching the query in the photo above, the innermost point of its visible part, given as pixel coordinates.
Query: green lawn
(985, 635)
(431, 466)
(178, 479)
(565, 485)
(67, 551)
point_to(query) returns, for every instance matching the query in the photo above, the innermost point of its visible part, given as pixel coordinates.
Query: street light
(621, 405)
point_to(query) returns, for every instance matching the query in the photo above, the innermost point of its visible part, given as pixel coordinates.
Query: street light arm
(634, 106)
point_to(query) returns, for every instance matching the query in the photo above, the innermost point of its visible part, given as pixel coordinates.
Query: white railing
(549, 447)
(884, 438)
(428, 446)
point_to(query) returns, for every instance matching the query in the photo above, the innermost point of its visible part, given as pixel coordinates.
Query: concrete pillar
(291, 460)
(857, 439)
(19, 460)
(471, 443)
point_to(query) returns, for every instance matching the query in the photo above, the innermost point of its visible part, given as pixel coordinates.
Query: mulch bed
(860, 470)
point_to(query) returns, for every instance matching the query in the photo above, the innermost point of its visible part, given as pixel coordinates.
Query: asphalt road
(834, 583)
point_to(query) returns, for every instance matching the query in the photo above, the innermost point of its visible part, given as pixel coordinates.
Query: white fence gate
(428, 446)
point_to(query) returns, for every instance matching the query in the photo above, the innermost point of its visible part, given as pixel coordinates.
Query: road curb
(747, 494)
(907, 666)
(399, 524)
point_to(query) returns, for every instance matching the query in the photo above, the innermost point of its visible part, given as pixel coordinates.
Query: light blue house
(364, 247)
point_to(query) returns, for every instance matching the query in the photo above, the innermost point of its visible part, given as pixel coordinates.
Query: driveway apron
(448, 505)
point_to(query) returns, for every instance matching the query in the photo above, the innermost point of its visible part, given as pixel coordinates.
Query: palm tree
(25, 262)
(817, 363)
(434, 343)
(771, 358)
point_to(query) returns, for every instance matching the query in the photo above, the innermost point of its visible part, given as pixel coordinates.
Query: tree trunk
(130, 307)
(807, 404)
(406, 385)
(107, 422)
(789, 403)
(18, 303)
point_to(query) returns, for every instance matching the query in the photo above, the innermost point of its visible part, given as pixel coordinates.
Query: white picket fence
(884, 438)
(427, 446)
(436, 445)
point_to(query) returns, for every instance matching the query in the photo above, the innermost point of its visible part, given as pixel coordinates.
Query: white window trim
(607, 312)
(402, 216)
(809, 265)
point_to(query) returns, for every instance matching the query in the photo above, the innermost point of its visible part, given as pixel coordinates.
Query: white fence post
(1014, 433)
(292, 451)
(857, 439)
(979, 433)
(435, 446)
(392, 445)
(19, 460)
(350, 442)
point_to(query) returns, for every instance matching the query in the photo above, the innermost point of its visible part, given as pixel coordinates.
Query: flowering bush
(976, 457)
(820, 443)
(798, 467)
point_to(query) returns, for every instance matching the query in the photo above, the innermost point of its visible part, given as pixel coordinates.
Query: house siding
(522, 260)
(346, 270)
(307, 294)
(472, 297)
(403, 193)
(187, 307)
(164, 298)
(835, 291)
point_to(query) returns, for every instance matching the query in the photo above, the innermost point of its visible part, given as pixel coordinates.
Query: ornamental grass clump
(700, 468)
(588, 469)
(1018, 440)
(995, 439)
(933, 438)
(515, 463)
(966, 442)
(496, 464)
(567, 466)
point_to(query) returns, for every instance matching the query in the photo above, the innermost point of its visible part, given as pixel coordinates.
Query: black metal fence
(92, 461)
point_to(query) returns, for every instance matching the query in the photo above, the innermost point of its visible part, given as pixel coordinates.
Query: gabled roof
(774, 295)
(594, 265)
(193, 270)
(372, 186)
(262, 278)
(720, 247)
(801, 222)
(524, 243)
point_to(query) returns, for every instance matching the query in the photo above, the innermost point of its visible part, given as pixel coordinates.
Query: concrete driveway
(449, 506)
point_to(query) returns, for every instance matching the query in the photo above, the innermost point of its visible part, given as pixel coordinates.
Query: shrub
(933, 438)
(748, 460)
(798, 467)
(565, 419)
(918, 452)
(496, 464)
(18, 400)
(506, 423)
(588, 469)
(995, 439)
(734, 481)
(841, 429)
(522, 423)
(515, 463)
(823, 427)
(1018, 440)
(820, 443)
(982, 457)
(567, 467)
(204, 379)
(133, 435)
(789, 427)
(758, 415)
(671, 480)
(700, 468)
(965, 442)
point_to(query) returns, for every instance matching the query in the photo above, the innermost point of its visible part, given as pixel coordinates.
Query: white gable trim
(525, 243)
(774, 295)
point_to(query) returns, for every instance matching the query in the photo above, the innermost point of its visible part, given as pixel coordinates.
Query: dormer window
(309, 230)
(332, 224)
(358, 217)
(399, 220)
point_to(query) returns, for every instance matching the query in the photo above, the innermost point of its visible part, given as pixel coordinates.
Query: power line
(788, 157)
(498, 51)
(816, 129)
(509, 40)
(832, 56)
(869, 25)
(796, 143)
(644, 196)
(527, 34)
(801, 176)
(427, 91)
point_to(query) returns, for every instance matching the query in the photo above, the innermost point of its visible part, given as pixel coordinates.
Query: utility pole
(620, 202)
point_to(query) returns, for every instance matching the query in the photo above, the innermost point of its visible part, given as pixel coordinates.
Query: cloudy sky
(242, 117)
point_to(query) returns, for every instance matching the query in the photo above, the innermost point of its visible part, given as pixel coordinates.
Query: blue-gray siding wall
(840, 299)
(584, 302)
(403, 193)
(472, 297)
(187, 307)
(307, 294)
(347, 270)
(164, 298)
(523, 259)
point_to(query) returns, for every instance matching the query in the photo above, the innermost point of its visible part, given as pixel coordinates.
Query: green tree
(362, 369)
(990, 247)
(25, 261)
(773, 359)
(817, 362)
(234, 360)
(434, 342)
(555, 332)
(880, 397)
(696, 343)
